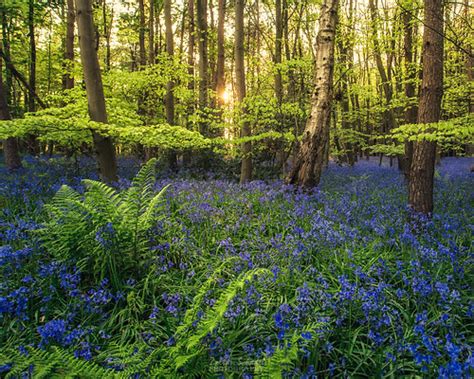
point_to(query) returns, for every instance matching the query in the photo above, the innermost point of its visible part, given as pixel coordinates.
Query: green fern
(189, 347)
(104, 230)
(54, 363)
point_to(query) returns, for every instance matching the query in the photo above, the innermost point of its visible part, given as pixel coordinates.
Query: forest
(236, 189)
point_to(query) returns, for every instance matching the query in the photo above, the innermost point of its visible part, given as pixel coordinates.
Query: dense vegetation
(191, 277)
(236, 189)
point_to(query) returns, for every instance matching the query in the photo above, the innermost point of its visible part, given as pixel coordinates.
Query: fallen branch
(21, 78)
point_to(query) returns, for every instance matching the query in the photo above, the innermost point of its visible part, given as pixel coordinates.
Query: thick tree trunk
(104, 147)
(10, 145)
(203, 60)
(246, 165)
(68, 79)
(429, 110)
(311, 156)
(220, 69)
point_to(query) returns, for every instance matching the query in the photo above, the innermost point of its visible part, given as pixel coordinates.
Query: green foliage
(104, 229)
(53, 363)
(449, 134)
(188, 347)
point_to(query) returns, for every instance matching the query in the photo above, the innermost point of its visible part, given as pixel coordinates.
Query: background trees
(171, 66)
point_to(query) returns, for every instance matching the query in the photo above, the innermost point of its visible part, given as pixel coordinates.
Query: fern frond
(188, 348)
(53, 363)
(146, 218)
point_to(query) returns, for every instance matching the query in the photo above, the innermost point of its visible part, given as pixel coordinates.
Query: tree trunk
(191, 44)
(68, 79)
(429, 110)
(190, 62)
(220, 69)
(277, 56)
(389, 120)
(103, 145)
(151, 33)
(107, 34)
(169, 101)
(141, 33)
(410, 79)
(10, 145)
(311, 156)
(203, 61)
(246, 165)
(346, 61)
(31, 35)
(470, 74)
(32, 143)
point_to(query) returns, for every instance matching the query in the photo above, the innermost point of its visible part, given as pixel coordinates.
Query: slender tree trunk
(191, 44)
(151, 33)
(190, 62)
(31, 35)
(246, 165)
(32, 142)
(469, 72)
(141, 33)
(346, 61)
(311, 156)
(172, 159)
(389, 120)
(429, 109)
(277, 56)
(104, 146)
(203, 60)
(68, 79)
(410, 75)
(11, 152)
(107, 34)
(220, 69)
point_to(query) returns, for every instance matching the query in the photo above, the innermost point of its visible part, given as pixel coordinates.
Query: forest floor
(221, 279)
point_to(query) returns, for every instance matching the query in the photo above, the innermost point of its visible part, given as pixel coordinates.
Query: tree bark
(203, 61)
(277, 56)
(389, 120)
(191, 44)
(103, 145)
(429, 109)
(246, 165)
(141, 33)
(107, 34)
(410, 85)
(309, 162)
(169, 101)
(32, 74)
(220, 69)
(17, 74)
(32, 143)
(68, 79)
(151, 33)
(11, 152)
